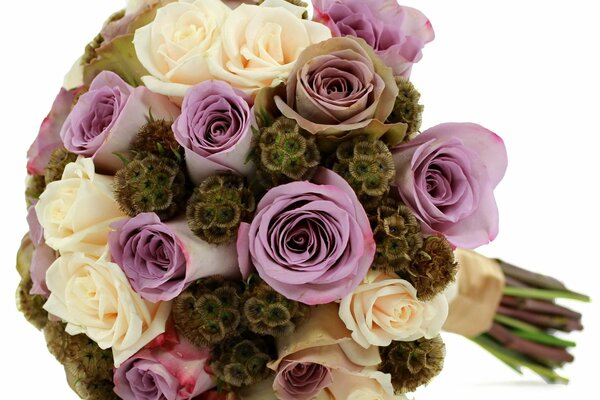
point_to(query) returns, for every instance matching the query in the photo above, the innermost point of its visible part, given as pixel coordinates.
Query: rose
(260, 44)
(214, 130)
(385, 308)
(42, 256)
(397, 33)
(76, 212)
(311, 242)
(160, 259)
(175, 46)
(93, 297)
(106, 119)
(324, 341)
(48, 138)
(297, 380)
(447, 176)
(174, 371)
(340, 85)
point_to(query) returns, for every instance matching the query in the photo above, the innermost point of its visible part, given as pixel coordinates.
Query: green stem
(515, 323)
(545, 294)
(516, 361)
(544, 338)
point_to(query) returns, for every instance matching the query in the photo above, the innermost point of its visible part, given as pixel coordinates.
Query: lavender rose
(106, 119)
(48, 138)
(173, 371)
(447, 176)
(214, 130)
(160, 259)
(300, 380)
(397, 33)
(311, 242)
(42, 257)
(338, 86)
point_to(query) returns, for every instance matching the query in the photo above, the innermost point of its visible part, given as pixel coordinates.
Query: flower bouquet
(235, 201)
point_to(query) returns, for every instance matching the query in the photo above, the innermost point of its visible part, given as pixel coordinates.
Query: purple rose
(48, 138)
(107, 117)
(300, 380)
(338, 86)
(397, 33)
(42, 257)
(447, 176)
(160, 259)
(311, 242)
(171, 371)
(214, 130)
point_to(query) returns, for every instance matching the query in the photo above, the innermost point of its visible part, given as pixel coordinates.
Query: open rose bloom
(231, 200)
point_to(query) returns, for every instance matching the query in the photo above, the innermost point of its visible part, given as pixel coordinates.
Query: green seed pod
(150, 184)
(398, 237)
(242, 360)
(31, 305)
(218, 206)
(433, 267)
(413, 364)
(208, 311)
(266, 312)
(284, 153)
(407, 108)
(57, 163)
(367, 165)
(157, 137)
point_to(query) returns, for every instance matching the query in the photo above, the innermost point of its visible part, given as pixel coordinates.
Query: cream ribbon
(480, 284)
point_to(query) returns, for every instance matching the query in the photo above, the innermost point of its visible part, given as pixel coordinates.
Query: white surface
(527, 70)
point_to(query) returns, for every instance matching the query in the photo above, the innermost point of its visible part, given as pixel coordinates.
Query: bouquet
(236, 201)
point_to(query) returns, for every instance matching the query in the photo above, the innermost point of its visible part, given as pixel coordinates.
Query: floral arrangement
(236, 201)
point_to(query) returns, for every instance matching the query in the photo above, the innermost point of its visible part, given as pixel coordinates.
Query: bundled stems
(523, 334)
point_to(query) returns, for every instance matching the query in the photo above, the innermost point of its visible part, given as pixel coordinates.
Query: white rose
(260, 44)
(76, 212)
(364, 385)
(94, 297)
(175, 46)
(385, 308)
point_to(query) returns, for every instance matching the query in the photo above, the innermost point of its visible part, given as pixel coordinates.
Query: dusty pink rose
(397, 33)
(447, 176)
(48, 138)
(43, 256)
(311, 241)
(107, 117)
(172, 371)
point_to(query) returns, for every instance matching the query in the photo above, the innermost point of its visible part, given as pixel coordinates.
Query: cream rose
(76, 211)
(94, 297)
(365, 385)
(385, 308)
(175, 46)
(260, 44)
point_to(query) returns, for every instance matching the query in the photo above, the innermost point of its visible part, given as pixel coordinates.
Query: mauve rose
(48, 138)
(172, 371)
(161, 259)
(310, 241)
(300, 380)
(447, 176)
(338, 86)
(397, 33)
(214, 130)
(107, 117)
(42, 257)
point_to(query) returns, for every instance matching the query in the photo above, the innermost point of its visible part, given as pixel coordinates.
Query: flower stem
(544, 294)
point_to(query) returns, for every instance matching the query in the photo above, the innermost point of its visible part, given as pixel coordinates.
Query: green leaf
(119, 57)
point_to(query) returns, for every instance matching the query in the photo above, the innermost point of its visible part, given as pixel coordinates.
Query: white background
(527, 70)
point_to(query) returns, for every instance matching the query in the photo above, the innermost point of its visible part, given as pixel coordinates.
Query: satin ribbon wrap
(480, 283)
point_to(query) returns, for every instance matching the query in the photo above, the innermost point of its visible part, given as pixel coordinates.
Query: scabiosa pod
(284, 153)
(413, 364)
(218, 206)
(367, 165)
(208, 311)
(150, 183)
